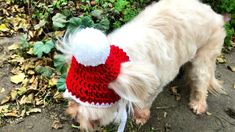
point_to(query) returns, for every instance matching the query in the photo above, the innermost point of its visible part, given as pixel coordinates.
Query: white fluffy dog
(159, 41)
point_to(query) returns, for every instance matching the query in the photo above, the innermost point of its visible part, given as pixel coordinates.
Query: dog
(162, 38)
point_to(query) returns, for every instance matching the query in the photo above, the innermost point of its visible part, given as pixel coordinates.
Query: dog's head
(91, 118)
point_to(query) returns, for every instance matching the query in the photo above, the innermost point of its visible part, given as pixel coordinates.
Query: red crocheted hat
(90, 74)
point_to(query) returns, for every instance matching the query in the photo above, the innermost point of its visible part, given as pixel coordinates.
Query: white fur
(159, 41)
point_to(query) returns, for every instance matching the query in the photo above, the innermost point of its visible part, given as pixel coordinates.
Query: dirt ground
(168, 114)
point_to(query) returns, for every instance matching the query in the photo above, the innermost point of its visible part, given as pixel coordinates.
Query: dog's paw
(198, 107)
(141, 116)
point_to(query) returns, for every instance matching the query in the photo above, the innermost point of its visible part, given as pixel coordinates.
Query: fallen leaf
(14, 46)
(27, 99)
(23, 113)
(58, 34)
(11, 114)
(231, 68)
(75, 126)
(52, 82)
(221, 59)
(58, 96)
(2, 90)
(30, 51)
(208, 113)
(40, 24)
(56, 124)
(5, 99)
(13, 95)
(21, 90)
(34, 110)
(16, 70)
(18, 78)
(4, 108)
(38, 101)
(30, 98)
(175, 92)
(17, 59)
(165, 114)
(4, 28)
(31, 72)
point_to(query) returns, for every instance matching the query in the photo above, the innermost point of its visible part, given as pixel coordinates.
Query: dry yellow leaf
(4, 108)
(52, 82)
(14, 46)
(208, 113)
(27, 99)
(30, 52)
(17, 58)
(18, 78)
(3, 28)
(221, 59)
(231, 68)
(2, 90)
(34, 110)
(234, 85)
(38, 101)
(5, 99)
(58, 34)
(58, 96)
(56, 124)
(16, 70)
(11, 114)
(23, 112)
(13, 95)
(22, 90)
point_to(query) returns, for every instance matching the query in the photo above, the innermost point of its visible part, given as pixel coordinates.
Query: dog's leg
(202, 72)
(141, 116)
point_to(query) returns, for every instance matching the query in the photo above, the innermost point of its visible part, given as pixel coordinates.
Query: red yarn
(90, 84)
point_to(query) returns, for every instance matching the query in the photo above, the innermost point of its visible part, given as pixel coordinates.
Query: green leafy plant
(60, 63)
(40, 47)
(44, 71)
(226, 7)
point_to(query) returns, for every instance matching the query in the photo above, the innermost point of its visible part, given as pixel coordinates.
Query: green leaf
(48, 46)
(103, 25)
(74, 23)
(87, 22)
(61, 83)
(97, 14)
(44, 71)
(24, 42)
(60, 63)
(40, 48)
(120, 5)
(59, 20)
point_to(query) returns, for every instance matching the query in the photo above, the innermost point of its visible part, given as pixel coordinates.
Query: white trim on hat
(69, 95)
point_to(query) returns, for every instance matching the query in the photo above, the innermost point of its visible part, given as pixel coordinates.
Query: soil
(167, 114)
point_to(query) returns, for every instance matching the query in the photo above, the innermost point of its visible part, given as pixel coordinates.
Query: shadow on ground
(168, 115)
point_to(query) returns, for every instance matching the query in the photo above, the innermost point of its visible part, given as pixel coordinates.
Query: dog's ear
(136, 82)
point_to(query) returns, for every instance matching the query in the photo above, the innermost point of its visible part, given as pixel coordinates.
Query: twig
(165, 107)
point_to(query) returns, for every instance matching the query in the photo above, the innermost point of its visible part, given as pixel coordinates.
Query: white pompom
(90, 46)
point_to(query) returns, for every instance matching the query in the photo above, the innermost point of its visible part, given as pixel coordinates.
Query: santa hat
(95, 63)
